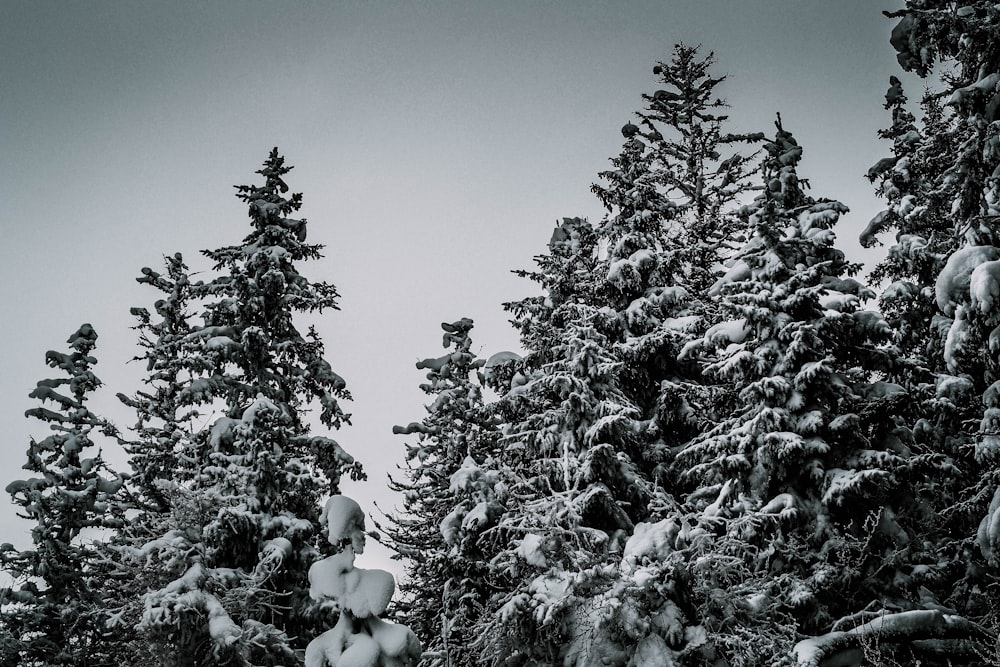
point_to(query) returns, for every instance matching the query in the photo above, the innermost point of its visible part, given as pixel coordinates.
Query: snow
(360, 638)
(344, 519)
(988, 535)
(984, 286)
(875, 225)
(530, 549)
(958, 335)
(652, 651)
(723, 333)
(985, 85)
(465, 477)
(952, 286)
(652, 541)
(881, 389)
(838, 302)
(739, 271)
(844, 648)
(623, 274)
(783, 505)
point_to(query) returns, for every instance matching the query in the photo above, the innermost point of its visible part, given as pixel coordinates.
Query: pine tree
(679, 175)
(670, 229)
(603, 399)
(944, 201)
(53, 614)
(163, 418)
(225, 561)
(568, 484)
(793, 495)
(449, 500)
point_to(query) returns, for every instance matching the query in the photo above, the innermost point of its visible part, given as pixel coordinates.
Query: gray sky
(436, 144)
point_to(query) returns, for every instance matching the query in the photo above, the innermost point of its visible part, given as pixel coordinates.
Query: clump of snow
(723, 333)
(360, 638)
(952, 287)
(530, 549)
(845, 647)
(652, 651)
(624, 275)
(868, 236)
(958, 335)
(988, 535)
(984, 287)
(344, 519)
(649, 541)
(739, 271)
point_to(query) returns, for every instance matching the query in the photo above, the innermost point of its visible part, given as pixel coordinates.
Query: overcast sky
(436, 144)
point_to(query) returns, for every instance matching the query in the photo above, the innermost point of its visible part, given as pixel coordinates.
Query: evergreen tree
(793, 496)
(674, 185)
(449, 499)
(53, 613)
(225, 560)
(603, 400)
(163, 418)
(942, 190)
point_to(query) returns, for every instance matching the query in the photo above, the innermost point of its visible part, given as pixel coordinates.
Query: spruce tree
(603, 400)
(53, 614)
(163, 419)
(449, 500)
(680, 174)
(791, 495)
(941, 187)
(225, 560)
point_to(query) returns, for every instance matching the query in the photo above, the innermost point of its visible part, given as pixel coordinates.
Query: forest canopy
(722, 442)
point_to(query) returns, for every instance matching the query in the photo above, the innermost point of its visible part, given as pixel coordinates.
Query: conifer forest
(721, 443)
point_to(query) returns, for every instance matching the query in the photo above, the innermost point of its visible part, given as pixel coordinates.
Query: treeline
(717, 448)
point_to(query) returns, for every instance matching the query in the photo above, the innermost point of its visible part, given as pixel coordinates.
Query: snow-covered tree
(792, 493)
(359, 637)
(225, 559)
(675, 183)
(164, 418)
(53, 613)
(448, 501)
(602, 399)
(942, 187)
(670, 227)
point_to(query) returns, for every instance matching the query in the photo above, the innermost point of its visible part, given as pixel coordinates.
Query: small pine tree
(53, 615)
(449, 501)
(163, 419)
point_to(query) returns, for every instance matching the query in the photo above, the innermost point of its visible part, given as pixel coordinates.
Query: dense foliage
(715, 447)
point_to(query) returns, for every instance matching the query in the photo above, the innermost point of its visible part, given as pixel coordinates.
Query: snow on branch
(923, 630)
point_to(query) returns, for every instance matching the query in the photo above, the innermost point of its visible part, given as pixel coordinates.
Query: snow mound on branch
(344, 519)
(652, 541)
(953, 283)
(984, 286)
(733, 331)
(988, 535)
(738, 272)
(530, 549)
(360, 638)
(845, 647)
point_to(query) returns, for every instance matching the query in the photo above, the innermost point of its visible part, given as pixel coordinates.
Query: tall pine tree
(226, 559)
(54, 613)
